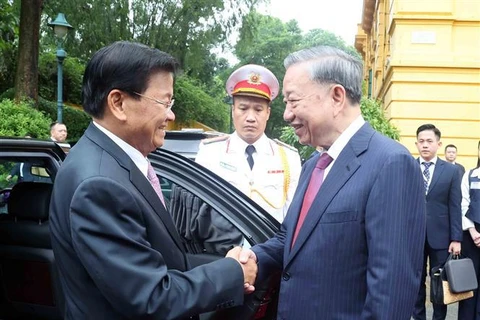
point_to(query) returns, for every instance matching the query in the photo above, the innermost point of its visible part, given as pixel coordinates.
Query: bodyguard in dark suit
(444, 216)
(357, 254)
(23, 172)
(451, 156)
(116, 246)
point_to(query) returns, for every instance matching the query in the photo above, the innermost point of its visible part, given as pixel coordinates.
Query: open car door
(212, 216)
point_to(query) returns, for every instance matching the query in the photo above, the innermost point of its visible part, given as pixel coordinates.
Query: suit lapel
(437, 173)
(145, 188)
(137, 178)
(342, 170)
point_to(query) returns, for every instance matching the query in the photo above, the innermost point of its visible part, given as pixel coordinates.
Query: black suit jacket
(118, 252)
(461, 169)
(444, 213)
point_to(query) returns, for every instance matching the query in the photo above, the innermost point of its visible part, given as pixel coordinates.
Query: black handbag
(453, 281)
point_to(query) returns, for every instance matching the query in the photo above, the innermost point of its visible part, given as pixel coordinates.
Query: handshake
(248, 262)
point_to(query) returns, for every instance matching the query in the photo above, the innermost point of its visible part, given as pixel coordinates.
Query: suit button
(286, 276)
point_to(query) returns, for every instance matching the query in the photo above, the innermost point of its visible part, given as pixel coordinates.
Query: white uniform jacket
(274, 177)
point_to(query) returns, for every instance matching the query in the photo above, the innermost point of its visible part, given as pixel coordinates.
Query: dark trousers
(470, 309)
(436, 257)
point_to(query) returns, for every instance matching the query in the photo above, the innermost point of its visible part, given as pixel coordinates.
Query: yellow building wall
(425, 58)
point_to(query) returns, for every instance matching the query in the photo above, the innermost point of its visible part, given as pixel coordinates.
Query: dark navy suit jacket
(359, 254)
(117, 249)
(444, 212)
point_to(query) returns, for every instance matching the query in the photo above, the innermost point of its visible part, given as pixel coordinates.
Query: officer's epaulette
(283, 144)
(215, 139)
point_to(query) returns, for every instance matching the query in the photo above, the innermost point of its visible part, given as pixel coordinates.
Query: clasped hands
(248, 262)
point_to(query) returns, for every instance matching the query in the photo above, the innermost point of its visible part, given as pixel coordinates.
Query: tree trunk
(26, 78)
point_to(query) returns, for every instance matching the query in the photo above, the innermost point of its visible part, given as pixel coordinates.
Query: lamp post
(60, 27)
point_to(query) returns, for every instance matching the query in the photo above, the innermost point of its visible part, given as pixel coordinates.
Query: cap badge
(254, 78)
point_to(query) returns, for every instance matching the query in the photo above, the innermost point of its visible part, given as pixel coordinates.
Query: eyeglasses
(168, 105)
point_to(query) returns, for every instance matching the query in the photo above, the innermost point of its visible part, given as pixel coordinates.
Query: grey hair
(329, 65)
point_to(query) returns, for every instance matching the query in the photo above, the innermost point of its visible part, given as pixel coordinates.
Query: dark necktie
(153, 179)
(426, 174)
(250, 150)
(314, 185)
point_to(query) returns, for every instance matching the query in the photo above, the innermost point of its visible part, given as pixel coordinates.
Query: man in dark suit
(357, 254)
(444, 215)
(451, 156)
(116, 246)
(23, 172)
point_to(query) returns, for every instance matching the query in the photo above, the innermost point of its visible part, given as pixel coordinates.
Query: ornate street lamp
(60, 27)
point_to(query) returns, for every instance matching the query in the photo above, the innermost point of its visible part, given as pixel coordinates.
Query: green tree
(8, 44)
(73, 70)
(20, 119)
(192, 103)
(319, 37)
(26, 77)
(187, 29)
(268, 45)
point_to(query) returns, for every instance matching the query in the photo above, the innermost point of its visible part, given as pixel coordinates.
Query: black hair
(54, 123)
(450, 146)
(125, 66)
(429, 127)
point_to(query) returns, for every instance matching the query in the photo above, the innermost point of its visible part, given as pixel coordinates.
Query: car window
(21, 169)
(202, 228)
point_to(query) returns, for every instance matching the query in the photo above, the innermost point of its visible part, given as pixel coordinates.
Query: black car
(29, 287)
(186, 141)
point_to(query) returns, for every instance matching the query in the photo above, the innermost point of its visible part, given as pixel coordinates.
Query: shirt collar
(262, 145)
(337, 147)
(434, 160)
(137, 157)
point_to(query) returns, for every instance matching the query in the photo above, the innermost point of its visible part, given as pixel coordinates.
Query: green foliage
(268, 46)
(73, 70)
(288, 136)
(269, 43)
(192, 103)
(319, 37)
(20, 119)
(372, 112)
(187, 29)
(76, 120)
(8, 94)
(8, 43)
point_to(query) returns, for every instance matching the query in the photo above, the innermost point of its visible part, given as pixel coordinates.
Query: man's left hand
(455, 247)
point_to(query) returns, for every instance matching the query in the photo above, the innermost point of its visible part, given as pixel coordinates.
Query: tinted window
(17, 169)
(202, 228)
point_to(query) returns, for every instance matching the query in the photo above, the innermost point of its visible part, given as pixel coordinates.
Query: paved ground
(452, 308)
(452, 311)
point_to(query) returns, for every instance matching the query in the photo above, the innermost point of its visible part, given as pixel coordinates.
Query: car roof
(14, 144)
(186, 142)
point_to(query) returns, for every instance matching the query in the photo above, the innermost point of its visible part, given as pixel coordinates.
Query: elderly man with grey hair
(351, 245)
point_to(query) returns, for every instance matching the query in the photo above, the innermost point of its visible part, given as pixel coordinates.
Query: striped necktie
(426, 174)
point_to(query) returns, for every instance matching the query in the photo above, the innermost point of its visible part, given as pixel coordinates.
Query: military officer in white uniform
(265, 170)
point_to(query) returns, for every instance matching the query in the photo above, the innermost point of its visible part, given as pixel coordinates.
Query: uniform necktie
(153, 179)
(426, 174)
(250, 150)
(314, 185)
